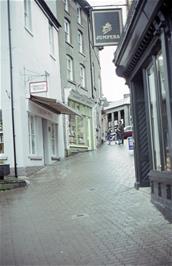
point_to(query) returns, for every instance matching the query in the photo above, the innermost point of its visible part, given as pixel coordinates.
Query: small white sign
(38, 86)
(130, 143)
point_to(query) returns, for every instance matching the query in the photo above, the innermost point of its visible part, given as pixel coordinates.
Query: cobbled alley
(84, 210)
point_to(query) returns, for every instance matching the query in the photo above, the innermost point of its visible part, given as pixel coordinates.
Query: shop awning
(53, 105)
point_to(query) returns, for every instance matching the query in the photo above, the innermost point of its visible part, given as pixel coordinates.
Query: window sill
(164, 176)
(80, 25)
(3, 157)
(72, 82)
(67, 12)
(54, 158)
(78, 146)
(84, 89)
(52, 56)
(35, 158)
(68, 43)
(29, 31)
(82, 54)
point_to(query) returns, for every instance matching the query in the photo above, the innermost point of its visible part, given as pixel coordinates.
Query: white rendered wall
(31, 60)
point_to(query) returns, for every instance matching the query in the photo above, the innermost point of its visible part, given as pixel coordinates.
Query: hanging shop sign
(107, 26)
(38, 86)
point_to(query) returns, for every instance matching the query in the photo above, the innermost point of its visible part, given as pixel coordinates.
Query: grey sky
(113, 86)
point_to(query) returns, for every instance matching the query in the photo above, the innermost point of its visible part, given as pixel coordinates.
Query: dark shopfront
(144, 59)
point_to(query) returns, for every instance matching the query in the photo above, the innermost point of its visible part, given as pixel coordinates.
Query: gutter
(90, 57)
(49, 14)
(11, 87)
(85, 5)
(136, 36)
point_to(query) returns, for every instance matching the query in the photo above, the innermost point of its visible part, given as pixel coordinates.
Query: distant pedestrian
(120, 132)
(108, 136)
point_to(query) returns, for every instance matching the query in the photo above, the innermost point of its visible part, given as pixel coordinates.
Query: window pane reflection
(167, 162)
(153, 112)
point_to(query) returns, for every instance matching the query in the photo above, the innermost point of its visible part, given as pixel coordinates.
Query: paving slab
(84, 210)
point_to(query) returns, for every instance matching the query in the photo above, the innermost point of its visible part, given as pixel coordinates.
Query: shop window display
(164, 123)
(158, 115)
(72, 129)
(78, 126)
(153, 113)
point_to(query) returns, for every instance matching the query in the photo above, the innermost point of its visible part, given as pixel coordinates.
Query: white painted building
(32, 127)
(118, 111)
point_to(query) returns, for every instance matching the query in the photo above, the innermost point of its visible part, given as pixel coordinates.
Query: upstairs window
(82, 75)
(32, 134)
(79, 15)
(27, 14)
(67, 30)
(80, 41)
(66, 5)
(51, 39)
(69, 68)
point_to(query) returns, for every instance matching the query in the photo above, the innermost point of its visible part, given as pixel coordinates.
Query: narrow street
(84, 211)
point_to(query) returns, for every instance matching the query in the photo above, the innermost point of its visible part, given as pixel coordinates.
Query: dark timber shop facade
(144, 59)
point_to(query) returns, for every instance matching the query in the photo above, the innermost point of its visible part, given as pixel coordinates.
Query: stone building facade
(80, 76)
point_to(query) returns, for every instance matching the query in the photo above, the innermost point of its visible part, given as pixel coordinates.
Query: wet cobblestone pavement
(84, 211)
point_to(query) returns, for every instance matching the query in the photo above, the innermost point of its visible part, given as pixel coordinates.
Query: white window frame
(80, 41)
(67, 31)
(54, 131)
(69, 68)
(28, 14)
(82, 76)
(51, 38)
(32, 134)
(66, 5)
(79, 20)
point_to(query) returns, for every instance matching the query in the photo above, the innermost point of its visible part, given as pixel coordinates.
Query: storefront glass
(158, 115)
(167, 165)
(153, 113)
(79, 126)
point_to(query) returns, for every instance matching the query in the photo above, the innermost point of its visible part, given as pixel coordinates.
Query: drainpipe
(92, 85)
(11, 86)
